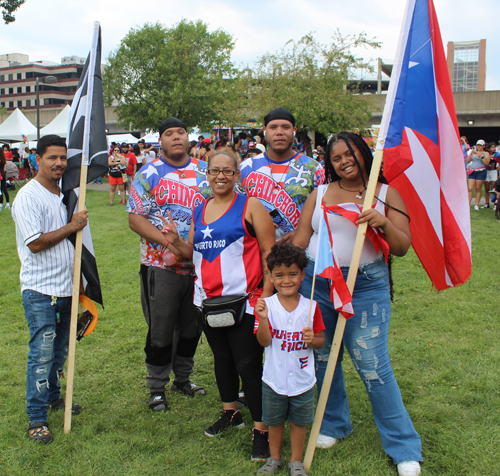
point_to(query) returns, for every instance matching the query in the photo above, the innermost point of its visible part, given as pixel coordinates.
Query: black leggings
(4, 189)
(237, 353)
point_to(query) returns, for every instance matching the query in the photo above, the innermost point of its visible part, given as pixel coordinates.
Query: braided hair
(350, 139)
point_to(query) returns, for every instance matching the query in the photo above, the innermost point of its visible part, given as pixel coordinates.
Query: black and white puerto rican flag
(87, 145)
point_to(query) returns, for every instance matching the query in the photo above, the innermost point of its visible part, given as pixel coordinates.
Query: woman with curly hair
(347, 165)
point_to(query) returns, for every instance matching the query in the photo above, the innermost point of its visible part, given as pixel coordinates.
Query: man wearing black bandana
(174, 183)
(281, 178)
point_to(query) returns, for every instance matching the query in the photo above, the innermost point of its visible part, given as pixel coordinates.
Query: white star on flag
(207, 232)
(151, 170)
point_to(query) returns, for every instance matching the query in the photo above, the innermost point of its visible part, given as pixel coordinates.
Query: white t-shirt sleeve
(28, 218)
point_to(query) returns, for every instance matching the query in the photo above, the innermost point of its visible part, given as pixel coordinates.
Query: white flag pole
(79, 235)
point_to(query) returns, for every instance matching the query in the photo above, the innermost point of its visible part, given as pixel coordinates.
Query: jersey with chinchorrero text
(282, 187)
(160, 187)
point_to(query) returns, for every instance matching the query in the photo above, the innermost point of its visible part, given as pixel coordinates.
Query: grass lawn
(444, 347)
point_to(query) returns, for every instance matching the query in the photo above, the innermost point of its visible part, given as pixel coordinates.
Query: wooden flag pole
(74, 303)
(341, 322)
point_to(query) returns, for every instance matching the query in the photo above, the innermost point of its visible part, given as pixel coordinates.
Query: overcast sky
(51, 29)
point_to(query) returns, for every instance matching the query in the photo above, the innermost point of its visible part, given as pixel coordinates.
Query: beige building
(18, 79)
(467, 65)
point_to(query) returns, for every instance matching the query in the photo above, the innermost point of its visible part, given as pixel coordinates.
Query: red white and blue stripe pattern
(327, 266)
(226, 257)
(422, 155)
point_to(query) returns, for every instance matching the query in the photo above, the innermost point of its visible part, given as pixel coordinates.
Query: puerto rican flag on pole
(327, 266)
(422, 154)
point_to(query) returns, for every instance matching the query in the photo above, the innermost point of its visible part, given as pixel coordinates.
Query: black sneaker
(260, 449)
(188, 388)
(158, 402)
(228, 418)
(60, 405)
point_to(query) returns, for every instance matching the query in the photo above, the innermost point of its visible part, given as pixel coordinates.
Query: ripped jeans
(48, 350)
(366, 340)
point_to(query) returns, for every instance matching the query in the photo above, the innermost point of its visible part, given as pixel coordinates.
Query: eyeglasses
(226, 172)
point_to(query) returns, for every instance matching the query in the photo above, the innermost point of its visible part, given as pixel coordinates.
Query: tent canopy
(119, 138)
(59, 124)
(16, 126)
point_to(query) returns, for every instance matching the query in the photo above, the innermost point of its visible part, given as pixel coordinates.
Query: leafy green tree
(8, 8)
(158, 72)
(313, 81)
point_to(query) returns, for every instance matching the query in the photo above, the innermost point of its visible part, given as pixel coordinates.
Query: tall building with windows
(467, 65)
(18, 79)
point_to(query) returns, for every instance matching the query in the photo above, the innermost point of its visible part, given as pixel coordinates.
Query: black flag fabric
(87, 126)
(87, 145)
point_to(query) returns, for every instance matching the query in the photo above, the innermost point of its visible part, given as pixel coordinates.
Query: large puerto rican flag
(422, 154)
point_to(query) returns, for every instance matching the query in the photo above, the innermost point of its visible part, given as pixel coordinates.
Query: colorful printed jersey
(226, 257)
(289, 362)
(160, 187)
(282, 187)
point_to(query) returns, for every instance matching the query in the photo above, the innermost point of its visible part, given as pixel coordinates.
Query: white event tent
(58, 125)
(119, 138)
(151, 138)
(16, 126)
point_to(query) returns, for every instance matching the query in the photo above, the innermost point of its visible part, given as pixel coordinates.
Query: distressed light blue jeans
(48, 350)
(366, 340)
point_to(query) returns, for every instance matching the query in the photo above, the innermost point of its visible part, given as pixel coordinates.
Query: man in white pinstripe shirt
(47, 259)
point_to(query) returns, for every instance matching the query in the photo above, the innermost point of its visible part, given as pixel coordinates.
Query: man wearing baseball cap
(281, 178)
(174, 183)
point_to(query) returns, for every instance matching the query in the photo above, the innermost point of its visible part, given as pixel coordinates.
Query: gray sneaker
(297, 469)
(271, 466)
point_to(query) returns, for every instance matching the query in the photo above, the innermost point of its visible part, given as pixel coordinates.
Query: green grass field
(444, 347)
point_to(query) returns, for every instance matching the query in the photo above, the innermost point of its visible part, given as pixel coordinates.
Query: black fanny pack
(224, 311)
(115, 173)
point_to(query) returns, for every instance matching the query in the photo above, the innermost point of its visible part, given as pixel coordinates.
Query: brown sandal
(39, 431)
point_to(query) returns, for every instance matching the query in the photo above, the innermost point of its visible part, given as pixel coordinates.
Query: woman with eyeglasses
(230, 237)
(117, 163)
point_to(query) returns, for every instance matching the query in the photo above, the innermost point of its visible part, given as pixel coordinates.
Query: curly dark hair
(287, 254)
(350, 139)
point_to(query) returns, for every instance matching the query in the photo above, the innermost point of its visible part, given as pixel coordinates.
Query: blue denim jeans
(48, 350)
(366, 340)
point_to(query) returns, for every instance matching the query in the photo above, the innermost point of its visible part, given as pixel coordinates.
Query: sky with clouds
(51, 29)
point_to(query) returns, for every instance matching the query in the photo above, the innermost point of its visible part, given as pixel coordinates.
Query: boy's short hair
(287, 254)
(47, 141)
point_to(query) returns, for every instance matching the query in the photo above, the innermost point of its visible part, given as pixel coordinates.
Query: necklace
(277, 182)
(359, 192)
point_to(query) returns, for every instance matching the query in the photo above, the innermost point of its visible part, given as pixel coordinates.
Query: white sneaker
(476, 207)
(325, 441)
(7, 207)
(127, 193)
(409, 468)
(1, 206)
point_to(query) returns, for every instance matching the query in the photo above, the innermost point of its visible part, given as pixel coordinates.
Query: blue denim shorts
(276, 408)
(479, 175)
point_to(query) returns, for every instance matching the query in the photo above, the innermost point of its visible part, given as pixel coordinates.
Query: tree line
(186, 71)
